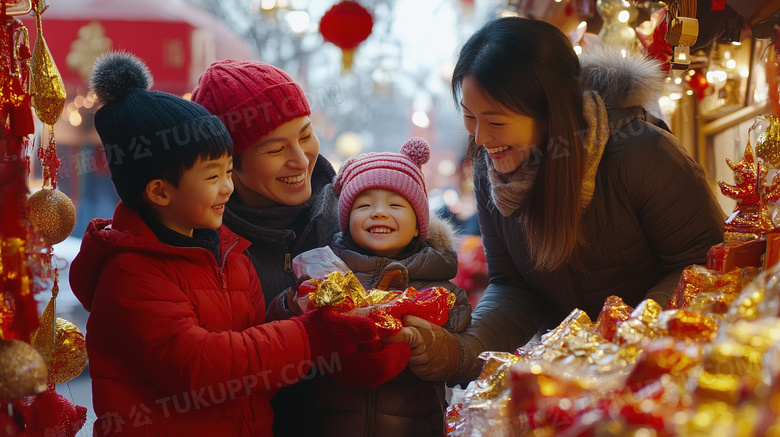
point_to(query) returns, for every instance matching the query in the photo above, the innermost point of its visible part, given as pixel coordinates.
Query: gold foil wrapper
(647, 312)
(336, 287)
(492, 380)
(381, 297)
(693, 280)
(573, 323)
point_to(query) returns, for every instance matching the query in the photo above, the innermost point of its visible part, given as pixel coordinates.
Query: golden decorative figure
(46, 86)
(751, 217)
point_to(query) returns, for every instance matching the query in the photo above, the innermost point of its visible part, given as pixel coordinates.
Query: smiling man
(283, 201)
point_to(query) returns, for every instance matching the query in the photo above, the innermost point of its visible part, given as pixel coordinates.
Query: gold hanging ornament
(60, 342)
(46, 86)
(23, 372)
(768, 143)
(52, 212)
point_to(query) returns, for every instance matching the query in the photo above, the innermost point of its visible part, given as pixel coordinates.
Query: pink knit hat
(251, 98)
(401, 173)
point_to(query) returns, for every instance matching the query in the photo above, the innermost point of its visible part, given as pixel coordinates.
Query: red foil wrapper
(705, 291)
(663, 356)
(682, 324)
(613, 312)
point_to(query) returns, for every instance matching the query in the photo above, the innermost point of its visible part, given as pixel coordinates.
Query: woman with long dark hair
(581, 192)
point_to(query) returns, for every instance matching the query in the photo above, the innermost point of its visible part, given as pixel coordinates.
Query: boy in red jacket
(175, 336)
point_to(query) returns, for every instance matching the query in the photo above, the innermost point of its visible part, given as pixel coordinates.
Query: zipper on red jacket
(222, 266)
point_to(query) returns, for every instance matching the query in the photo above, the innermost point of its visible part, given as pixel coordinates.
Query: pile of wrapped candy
(708, 364)
(344, 293)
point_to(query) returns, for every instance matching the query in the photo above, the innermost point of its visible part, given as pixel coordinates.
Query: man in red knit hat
(283, 201)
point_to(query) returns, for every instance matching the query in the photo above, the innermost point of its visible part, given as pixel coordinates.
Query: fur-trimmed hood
(622, 81)
(441, 233)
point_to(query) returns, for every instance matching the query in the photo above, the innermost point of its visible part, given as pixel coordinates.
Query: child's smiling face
(382, 221)
(199, 200)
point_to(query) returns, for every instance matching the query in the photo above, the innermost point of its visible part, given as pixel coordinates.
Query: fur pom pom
(622, 81)
(417, 149)
(115, 74)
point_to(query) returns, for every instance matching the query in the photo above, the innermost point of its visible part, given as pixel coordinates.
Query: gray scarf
(510, 191)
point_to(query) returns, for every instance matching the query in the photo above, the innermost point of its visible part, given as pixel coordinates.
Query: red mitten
(374, 364)
(330, 332)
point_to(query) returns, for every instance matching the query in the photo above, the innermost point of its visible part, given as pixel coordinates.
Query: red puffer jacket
(176, 343)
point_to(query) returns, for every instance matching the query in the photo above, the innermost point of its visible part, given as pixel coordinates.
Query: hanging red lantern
(698, 83)
(346, 24)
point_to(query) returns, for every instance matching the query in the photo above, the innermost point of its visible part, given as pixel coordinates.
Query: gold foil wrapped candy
(335, 288)
(687, 325)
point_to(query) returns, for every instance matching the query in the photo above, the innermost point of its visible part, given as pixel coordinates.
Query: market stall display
(704, 365)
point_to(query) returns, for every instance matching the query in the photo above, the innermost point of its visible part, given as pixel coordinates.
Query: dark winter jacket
(651, 214)
(406, 405)
(279, 233)
(176, 340)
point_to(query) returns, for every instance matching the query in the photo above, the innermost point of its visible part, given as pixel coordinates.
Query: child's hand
(292, 294)
(435, 351)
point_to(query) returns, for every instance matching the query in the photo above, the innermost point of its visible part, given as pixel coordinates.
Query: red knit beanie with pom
(251, 99)
(399, 172)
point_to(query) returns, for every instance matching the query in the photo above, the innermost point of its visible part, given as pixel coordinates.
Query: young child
(387, 231)
(175, 336)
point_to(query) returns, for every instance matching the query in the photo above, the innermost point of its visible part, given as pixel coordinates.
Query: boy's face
(382, 222)
(276, 170)
(199, 200)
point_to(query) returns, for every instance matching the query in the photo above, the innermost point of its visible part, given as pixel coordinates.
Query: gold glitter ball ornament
(69, 356)
(23, 371)
(61, 344)
(53, 213)
(768, 143)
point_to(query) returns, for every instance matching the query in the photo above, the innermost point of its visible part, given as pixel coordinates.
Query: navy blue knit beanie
(149, 135)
